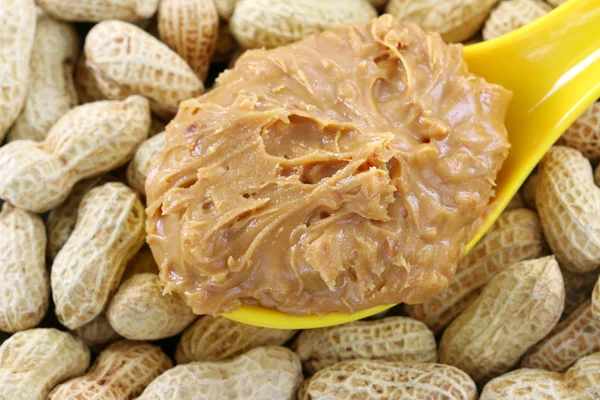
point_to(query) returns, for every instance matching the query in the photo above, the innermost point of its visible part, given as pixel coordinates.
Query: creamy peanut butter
(338, 173)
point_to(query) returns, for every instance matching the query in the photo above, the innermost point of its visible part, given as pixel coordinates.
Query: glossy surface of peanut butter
(338, 173)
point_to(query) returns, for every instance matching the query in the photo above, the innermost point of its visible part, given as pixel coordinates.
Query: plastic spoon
(553, 68)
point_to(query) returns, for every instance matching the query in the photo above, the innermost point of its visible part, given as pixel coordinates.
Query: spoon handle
(553, 68)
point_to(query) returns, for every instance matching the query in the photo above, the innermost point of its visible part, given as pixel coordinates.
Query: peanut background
(88, 87)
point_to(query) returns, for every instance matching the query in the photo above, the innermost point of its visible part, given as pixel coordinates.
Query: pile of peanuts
(87, 89)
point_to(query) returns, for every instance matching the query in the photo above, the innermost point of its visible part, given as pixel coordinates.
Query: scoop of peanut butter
(341, 172)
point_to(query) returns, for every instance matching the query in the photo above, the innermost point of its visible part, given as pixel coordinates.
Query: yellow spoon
(553, 68)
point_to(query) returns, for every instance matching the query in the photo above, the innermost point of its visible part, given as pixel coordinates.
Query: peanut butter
(340, 172)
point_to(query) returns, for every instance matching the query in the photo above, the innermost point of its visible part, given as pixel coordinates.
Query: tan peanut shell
(87, 141)
(573, 338)
(225, 45)
(217, 339)
(584, 134)
(17, 30)
(578, 288)
(511, 15)
(88, 269)
(455, 20)
(568, 203)
(61, 220)
(528, 189)
(140, 311)
(580, 382)
(120, 372)
(525, 384)
(99, 10)
(126, 60)
(264, 23)
(391, 339)
(24, 283)
(190, 27)
(97, 333)
(85, 83)
(34, 361)
(225, 8)
(515, 236)
(379, 380)
(146, 155)
(515, 310)
(51, 88)
(263, 373)
(557, 3)
(596, 301)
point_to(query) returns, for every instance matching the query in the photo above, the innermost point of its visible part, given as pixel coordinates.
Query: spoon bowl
(552, 66)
